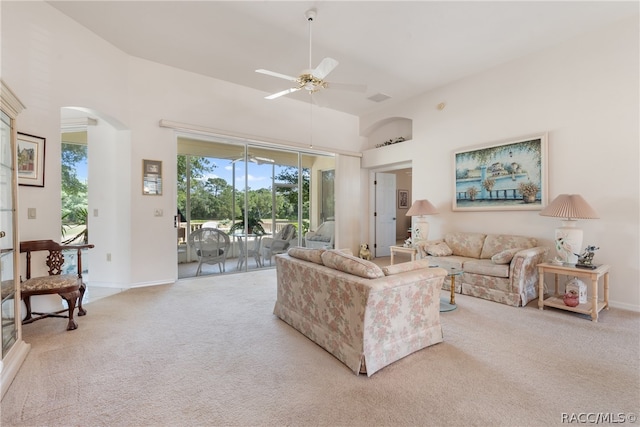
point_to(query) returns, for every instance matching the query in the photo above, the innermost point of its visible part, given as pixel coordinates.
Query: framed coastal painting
(31, 150)
(502, 176)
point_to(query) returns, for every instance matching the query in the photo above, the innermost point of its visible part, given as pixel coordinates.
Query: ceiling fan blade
(284, 92)
(278, 75)
(347, 86)
(324, 68)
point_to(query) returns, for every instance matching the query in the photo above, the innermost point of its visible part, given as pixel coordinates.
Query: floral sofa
(365, 316)
(497, 267)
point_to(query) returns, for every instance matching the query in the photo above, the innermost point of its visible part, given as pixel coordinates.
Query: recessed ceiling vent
(379, 97)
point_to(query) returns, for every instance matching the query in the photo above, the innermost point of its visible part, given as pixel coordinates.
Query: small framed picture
(152, 177)
(31, 150)
(403, 199)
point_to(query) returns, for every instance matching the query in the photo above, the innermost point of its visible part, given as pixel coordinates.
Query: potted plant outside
(529, 190)
(254, 223)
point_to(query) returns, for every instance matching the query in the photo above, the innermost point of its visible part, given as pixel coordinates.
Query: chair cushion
(209, 253)
(320, 238)
(350, 264)
(50, 284)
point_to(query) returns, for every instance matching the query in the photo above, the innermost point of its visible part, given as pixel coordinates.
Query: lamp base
(568, 241)
(420, 230)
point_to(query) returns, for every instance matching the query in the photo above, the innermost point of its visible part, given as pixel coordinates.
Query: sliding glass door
(259, 197)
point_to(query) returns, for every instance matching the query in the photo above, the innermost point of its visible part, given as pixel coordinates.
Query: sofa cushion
(504, 257)
(466, 244)
(486, 267)
(390, 270)
(495, 243)
(350, 264)
(439, 249)
(307, 254)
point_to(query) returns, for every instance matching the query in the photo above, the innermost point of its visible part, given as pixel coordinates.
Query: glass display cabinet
(14, 350)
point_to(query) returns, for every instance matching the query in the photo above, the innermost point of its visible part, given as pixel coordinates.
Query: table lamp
(568, 238)
(419, 208)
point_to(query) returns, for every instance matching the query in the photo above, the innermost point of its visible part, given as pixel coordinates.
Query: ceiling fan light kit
(312, 79)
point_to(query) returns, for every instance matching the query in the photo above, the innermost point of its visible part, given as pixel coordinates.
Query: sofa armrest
(402, 315)
(523, 272)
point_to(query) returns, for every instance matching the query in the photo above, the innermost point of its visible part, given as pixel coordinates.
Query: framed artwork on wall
(31, 151)
(403, 199)
(502, 176)
(152, 177)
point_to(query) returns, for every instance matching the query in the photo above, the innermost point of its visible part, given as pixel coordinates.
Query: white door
(385, 217)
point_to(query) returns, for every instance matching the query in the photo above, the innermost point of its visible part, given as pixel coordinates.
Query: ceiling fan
(312, 80)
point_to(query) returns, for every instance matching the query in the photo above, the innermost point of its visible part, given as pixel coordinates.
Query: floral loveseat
(497, 267)
(365, 316)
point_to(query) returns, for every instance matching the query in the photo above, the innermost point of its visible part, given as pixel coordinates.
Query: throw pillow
(390, 270)
(306, 254)
(350, 264)
(439, 249)
(505, 256)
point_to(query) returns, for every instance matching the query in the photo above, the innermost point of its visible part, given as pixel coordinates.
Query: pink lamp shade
(568, 238)
(422, 207)
(421, 226)
(569, 206)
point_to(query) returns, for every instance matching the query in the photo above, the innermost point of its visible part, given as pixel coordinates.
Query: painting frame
(31, 151)
(499, 173)
(151, 177)
(403, 199)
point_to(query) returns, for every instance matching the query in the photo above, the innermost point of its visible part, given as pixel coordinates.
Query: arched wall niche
(387, 129)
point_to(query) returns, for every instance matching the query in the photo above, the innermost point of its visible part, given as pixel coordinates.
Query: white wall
(584, 93)
(50, 62)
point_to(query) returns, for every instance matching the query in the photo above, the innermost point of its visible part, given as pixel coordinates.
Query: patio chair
(211, 246)
(279, 243)
(322, 238)
(70, 287)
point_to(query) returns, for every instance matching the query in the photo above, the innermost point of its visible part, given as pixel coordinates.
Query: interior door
(385, 217)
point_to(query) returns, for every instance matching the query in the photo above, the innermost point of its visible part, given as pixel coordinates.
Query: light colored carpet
(209, 352)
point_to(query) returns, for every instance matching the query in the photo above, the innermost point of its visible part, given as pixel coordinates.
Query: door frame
(372, 196)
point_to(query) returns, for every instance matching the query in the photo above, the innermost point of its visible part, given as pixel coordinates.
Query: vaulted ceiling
(398, 49)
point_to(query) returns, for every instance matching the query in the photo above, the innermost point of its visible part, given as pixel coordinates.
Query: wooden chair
(69, 286)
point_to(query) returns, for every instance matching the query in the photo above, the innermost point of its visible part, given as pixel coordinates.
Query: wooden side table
(593, 306)
(404, 250)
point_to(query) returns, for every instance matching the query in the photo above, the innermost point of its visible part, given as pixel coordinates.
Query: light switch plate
(31, 213)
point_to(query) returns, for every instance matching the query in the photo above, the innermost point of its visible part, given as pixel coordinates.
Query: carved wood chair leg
(81, 310)
(27, 303)
(71, 299)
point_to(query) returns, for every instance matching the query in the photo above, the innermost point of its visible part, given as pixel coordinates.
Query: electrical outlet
(157, 212)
